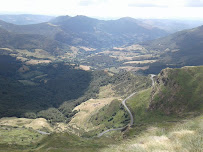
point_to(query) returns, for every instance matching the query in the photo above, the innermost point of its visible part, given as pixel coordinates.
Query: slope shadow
(38, 87)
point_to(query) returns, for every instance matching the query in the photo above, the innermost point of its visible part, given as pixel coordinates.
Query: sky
(107, 9)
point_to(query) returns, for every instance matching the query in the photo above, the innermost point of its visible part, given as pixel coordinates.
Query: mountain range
(80, 38)
(85, 31)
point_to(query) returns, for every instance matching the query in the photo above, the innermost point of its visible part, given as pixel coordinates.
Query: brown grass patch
(22, 59)
(6, 49)
(36, 124)
(34, 62)
(86, 110)
(182, 133)
(140, 62)
(130, 48)
(84, 67)
(106, 91)
(87, 48)
(131, 68)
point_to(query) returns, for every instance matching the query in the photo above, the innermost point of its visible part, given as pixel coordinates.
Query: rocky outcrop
(178, 91)
(163, 94)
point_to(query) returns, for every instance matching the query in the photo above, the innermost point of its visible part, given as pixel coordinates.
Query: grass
(111, 116)
(97, 115)
(144, 118)
(191, 81)
(152, 131)
(106, 91)
(18, 136)
(185, 136)
(66, 142)
(60, 142)
(81, 121)
(182, 93)
(184, 101)
(36, 124)
(139, 104)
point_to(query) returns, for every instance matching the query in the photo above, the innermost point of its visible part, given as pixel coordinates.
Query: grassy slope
(178, 95)
(154, 130)
(185, 136)
(100, 114)
(17, 139)
(81, 122)
(178, 50)
(179, 91)
(143, 118)
(61, 142)
(65, 142)
(110, 116)
(118, 82)
(19, 136)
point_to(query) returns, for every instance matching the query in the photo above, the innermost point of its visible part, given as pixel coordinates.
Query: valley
(84, 84)
(149, 123)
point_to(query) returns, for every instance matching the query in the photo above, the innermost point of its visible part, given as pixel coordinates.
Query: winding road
(128, 110)
(131, 117)
(152, 78)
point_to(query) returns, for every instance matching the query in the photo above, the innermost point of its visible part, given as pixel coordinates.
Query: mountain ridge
(180, 49)
(83, 30)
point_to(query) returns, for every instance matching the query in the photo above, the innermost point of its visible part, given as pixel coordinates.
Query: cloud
(150, 3)
(91, 2)
(145, 5)
(194, 3)
(86, 3)
(107, 8)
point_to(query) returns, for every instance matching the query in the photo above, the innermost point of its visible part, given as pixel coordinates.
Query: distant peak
(81, 16)
(60, 19)
(84, 17)
(127, 19)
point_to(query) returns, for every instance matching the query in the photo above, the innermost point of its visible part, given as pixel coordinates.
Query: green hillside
(53, 89)
(169, 114)
(177, 50)
(172, 137)
(30, 42)
(39, 87)
(178, 91)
